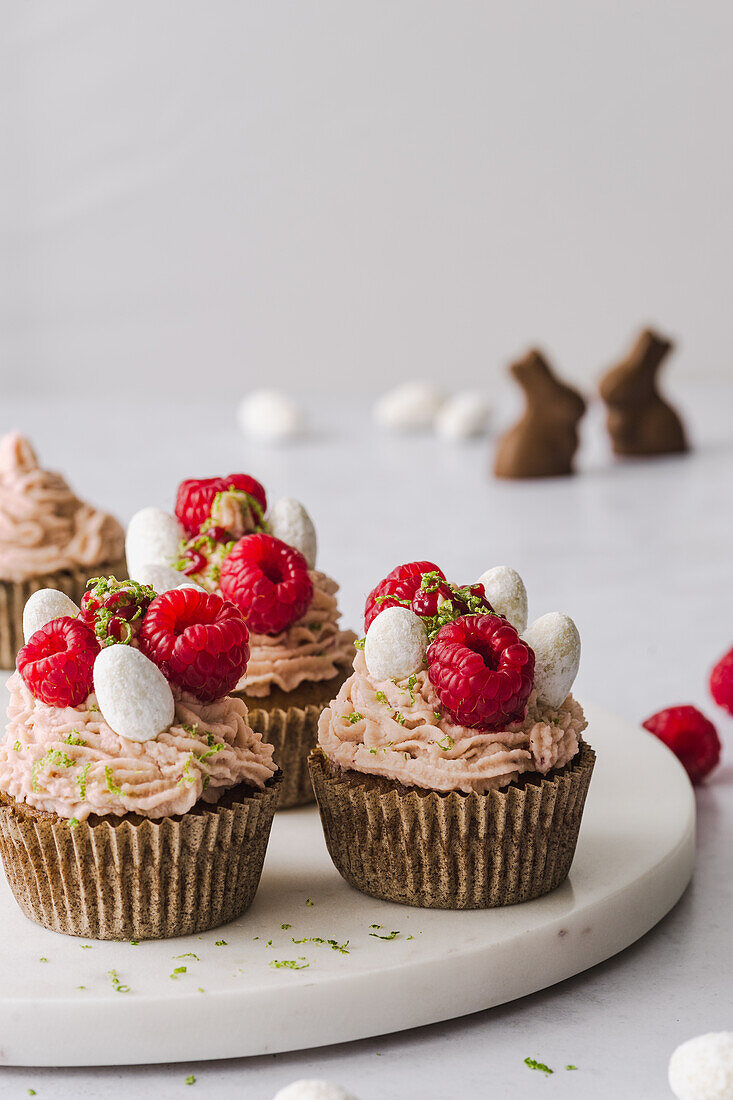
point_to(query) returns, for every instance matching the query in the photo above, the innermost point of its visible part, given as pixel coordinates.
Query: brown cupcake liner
(135, 878)
(15, 594)
(294, 734)
(455, 850)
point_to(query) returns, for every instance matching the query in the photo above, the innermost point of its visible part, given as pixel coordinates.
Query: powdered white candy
(289, 521)
(163, 579)
(506, 593)
(411, 405)
(313, 1090)
(556, 643)
(134, 696)
(702, 1068)
(396, 644)
(269, 414)
(153, 537)
(44, 606)
(464, 415)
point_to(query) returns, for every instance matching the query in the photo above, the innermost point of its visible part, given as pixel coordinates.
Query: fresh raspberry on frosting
(690, 736)
(482, 672)
(198, 640)
(268, 581)
(721, 682)
(398, 588)
(195, 497)
(114, 609)
(57, 662)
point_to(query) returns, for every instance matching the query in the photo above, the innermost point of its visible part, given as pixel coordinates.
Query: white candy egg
(162, 578)
(463, 416)
(506, 593)
(411, 406)
(153, 537)
(702, 1068)
(270, 415)
(313, 1090)
(43, 606)
(134, 696)
(396, 644)
(288, 520)
(556, 643)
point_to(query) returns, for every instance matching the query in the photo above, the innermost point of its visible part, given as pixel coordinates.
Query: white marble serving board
(59, 1005)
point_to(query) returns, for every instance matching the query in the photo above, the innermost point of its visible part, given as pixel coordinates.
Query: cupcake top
(44, 527)
(224, 538)
(122, 706)
(451, 690)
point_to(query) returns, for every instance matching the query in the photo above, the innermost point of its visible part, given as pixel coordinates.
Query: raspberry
(721, 682)
(482, 672)
(195, 497)
(690, 736)
(268, 581)
(198, 640)
(57, 662)
(114, 609)
(398, 588)
(438, 602)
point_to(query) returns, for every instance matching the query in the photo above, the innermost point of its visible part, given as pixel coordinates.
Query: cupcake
(135, 798)
(224, 538)
(450, 770)
(48, 539)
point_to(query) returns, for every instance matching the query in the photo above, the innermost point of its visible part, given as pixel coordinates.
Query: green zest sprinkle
(308, 901)
(571, 1067)
(220, 943)
(116, 983)
(73, 738)
(31, 1092)
(342, 948)
(191, 1079)
(134, 943)
(92, 706)
(442, 745)
(285, 927)
(389, 936)
(17, 746)
(288, 964)
(399, 718)
(534, 1064)
(73, 822)
(187, 777)
(360, 643)
(187, 955)
(43, 959)
(85, 946)
(111, 785)
(382, 698)
(178, 970)
(353, 718)
(82, 781)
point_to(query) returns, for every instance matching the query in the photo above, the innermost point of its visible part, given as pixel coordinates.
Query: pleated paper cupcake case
(293, 733)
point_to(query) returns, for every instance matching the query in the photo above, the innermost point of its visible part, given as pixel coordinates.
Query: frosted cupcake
(224, 538)
(48, 539)
(127, 772)
(451, 770)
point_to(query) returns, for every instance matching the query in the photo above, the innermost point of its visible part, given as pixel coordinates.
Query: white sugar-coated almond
(43, 606)
(192, 584)
(410, 406)
(153, 537)
(702, 1068)
(288, 520)
(506, 593)
(162, 578)
(134, 696)
(396, 644)
(270, 415)
(313, 1090)
(556, 643)
(463, 416)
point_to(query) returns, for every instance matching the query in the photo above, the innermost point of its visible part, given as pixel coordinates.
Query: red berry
(690, 736)
(114, 609)
(57, 662)
(397, 589)
(721, 682)
(195, 497)
(268, 581)
(198, 640)
(482, 672)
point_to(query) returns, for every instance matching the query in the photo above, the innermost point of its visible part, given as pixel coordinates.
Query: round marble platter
(248, 988)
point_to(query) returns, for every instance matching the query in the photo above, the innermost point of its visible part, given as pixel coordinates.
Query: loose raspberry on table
(195, 498)
(721, 682)
(398, 588)
(57, 662)
(268, 581)
(482, 672)
(691, 737)
(114, 609)
(198, 640)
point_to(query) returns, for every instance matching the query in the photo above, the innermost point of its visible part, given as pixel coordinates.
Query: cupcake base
(15, 594)
(288, 720)
(135, 878)
(455, 850)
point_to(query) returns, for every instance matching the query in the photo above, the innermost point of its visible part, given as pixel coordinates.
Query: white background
(336, 194)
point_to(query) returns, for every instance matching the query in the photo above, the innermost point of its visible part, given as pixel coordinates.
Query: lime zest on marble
(532, 1063)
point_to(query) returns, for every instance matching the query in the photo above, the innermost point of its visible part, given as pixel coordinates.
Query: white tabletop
(638, 553)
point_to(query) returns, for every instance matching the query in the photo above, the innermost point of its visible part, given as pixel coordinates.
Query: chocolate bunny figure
(544, 441)
(640, 422)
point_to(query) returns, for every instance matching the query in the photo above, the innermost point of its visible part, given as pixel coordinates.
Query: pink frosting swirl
(67, 759)
(399, 730)
(44, 527)
(312, 649)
